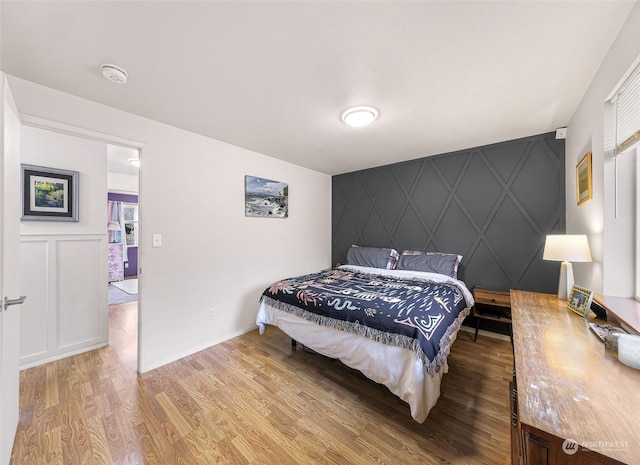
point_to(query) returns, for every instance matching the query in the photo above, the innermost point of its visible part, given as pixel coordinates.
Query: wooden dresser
(569, 387)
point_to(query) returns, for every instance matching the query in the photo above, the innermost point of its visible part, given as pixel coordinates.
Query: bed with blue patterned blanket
(356, 314)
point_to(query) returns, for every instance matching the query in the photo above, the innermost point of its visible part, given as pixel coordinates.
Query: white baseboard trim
(61, 355)
(152, 366)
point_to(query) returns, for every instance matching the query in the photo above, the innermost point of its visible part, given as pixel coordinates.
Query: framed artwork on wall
(265, 198)
(49, 194)
(584, 179)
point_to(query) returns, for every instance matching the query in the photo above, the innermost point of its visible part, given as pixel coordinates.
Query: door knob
(9, 302)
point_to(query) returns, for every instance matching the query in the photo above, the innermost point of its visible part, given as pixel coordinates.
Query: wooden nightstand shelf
(491, 305)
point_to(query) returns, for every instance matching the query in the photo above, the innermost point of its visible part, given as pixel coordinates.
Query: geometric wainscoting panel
(493, 204)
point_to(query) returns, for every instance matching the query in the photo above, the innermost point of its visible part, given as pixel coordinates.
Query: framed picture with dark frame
(580, 300)
(584, 179)
(49, 194)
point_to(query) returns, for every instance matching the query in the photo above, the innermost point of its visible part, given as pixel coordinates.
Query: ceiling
(273, 77)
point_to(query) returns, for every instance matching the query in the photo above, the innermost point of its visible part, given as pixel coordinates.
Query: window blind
(626, 113)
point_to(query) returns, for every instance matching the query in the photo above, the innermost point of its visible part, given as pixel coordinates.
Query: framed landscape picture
(265, 198)
(49, 194)
(584, 179)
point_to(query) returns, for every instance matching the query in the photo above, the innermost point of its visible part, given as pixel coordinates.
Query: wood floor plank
(150, 453)
(51, 387)
(256, 400)
(75, 440)
(244, 448)
(100, 453)
(53, 449)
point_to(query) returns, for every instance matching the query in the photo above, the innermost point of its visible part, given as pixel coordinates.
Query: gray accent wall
(494, 205)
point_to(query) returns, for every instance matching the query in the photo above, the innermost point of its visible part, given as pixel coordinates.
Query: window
(625, 115)
(130, 216)
(622, 138)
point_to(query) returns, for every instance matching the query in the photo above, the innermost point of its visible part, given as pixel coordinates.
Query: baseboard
(206, 345)
(61, 355)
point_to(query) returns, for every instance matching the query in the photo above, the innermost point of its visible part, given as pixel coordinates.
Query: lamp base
(565, 283)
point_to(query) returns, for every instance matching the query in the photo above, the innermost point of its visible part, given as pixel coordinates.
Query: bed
(386, 317)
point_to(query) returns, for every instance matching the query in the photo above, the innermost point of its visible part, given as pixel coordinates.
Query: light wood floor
(255, 400)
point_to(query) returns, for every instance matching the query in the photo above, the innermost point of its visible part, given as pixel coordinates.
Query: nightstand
(491, 305)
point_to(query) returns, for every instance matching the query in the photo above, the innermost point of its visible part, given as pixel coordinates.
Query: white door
(10, 206)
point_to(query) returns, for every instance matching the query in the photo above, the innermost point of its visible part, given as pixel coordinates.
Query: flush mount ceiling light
(134, 161)
(359, 116)
(114, 73)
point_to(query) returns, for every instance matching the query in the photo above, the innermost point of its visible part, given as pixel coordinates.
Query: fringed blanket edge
(398, 340)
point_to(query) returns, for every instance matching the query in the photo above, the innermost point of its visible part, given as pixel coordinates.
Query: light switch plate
(157, 240)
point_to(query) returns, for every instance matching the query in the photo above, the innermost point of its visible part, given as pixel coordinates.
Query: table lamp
(566, 248)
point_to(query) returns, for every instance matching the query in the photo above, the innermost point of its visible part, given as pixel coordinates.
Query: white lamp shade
(567, 248)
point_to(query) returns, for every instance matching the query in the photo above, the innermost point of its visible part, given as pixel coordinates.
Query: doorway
(72, 256)
(122, 223)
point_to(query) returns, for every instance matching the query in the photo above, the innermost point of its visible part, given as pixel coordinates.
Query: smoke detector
(114, 73)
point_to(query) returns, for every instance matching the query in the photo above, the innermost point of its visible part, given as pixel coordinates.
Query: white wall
(63, 264)
(192, 192)
(122, 183)
(612, 249)
(89, 158)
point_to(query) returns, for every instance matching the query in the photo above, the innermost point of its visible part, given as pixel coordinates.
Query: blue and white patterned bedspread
(417, 314)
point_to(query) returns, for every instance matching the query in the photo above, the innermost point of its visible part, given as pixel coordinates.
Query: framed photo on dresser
(580, 300)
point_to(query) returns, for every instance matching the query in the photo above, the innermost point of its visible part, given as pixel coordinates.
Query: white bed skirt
(396, 368)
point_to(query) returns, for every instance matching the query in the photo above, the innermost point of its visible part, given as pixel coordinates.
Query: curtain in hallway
(116, 217)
